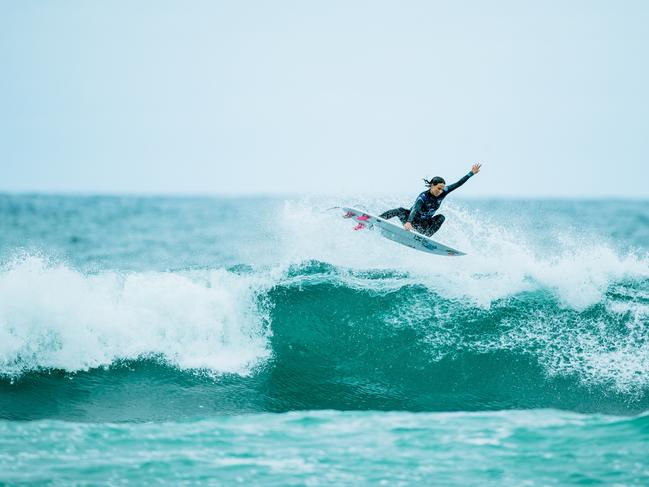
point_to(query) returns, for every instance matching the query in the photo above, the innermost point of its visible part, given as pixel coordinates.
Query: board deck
(397, 233)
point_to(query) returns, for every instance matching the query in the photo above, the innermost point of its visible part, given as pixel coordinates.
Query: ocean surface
(262, 341)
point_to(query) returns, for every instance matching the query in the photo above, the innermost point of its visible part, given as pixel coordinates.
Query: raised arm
(475, 169)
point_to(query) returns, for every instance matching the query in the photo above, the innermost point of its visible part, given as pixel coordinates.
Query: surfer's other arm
(416, 208)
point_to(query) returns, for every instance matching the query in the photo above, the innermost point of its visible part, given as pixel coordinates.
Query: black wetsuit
(422, 214)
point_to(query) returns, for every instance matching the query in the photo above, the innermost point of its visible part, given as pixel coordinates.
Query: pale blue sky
(303, 96)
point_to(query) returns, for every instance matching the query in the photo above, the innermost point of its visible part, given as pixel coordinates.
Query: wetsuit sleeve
(454, 186)
(416, 208)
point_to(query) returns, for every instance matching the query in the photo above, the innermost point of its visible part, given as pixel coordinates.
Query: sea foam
(53, 316)
(502, 260)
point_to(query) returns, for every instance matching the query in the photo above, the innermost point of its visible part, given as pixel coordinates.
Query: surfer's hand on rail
(408, 226)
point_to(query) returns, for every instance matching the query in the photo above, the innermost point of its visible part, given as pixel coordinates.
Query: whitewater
(261, 340)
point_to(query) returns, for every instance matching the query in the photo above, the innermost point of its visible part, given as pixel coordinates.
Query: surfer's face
(437, 189)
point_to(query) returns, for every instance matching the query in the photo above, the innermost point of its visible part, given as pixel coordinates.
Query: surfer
(422, 216)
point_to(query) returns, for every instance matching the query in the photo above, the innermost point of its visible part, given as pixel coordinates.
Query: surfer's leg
(401, 213)
(431, 226)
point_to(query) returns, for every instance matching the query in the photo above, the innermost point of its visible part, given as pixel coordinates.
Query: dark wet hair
(435, 181)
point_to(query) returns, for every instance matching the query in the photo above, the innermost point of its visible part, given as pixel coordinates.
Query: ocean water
(262, 341)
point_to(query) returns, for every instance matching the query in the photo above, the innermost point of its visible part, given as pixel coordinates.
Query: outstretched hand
(475, 169)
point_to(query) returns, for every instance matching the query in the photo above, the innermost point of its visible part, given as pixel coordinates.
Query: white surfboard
(397, 233)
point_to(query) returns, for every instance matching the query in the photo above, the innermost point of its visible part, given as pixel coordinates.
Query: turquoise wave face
(322, 337)
(410, 348)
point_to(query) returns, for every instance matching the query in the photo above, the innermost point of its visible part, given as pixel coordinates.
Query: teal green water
(540, 447)
(263, 341)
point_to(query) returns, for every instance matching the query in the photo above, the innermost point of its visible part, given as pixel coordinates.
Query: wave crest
(52, 316)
